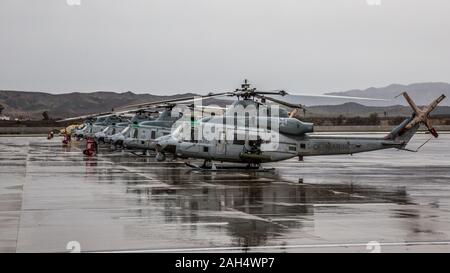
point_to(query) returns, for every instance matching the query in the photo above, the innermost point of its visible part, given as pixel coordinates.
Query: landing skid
(213, 167)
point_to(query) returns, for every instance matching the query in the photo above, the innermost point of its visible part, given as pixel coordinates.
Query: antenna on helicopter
(245, 85)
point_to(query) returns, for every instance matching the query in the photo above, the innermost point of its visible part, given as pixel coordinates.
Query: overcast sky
(174, 46)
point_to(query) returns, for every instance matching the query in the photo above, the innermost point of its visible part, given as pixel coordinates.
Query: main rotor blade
(106, 114)
(134, 111)
(86, 116)
(205, 107)
(339, 97)
(288, 104)
(210, 96)
(273, 92)
(178, 100)
(411, 103)
(143, 106)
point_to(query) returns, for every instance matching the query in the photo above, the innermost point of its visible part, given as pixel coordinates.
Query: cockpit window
(206, 119)
(149, 122)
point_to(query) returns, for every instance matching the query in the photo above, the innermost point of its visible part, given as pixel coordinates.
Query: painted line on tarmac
(281, 247)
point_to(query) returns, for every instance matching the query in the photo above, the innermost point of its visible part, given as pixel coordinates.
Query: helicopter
(102, 126)
(104, 136)
(117, 139)
(253, 131)
(142, 135)
(137, 133)
(93, 124)
(114, 134)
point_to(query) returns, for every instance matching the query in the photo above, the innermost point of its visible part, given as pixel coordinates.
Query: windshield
(178, 133)
(100, 120)
(206, 119)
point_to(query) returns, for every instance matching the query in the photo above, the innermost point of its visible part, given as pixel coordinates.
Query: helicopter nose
(166, 141)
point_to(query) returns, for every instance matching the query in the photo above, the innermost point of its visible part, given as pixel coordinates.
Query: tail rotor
(422, 114)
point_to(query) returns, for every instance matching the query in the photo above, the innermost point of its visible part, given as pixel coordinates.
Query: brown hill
(33, 104)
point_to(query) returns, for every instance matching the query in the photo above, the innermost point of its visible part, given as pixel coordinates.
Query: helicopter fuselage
(252, 145)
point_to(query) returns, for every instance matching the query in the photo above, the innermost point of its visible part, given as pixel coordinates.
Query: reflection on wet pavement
(51, 195)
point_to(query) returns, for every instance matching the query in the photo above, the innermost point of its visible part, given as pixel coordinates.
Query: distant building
(5, 118)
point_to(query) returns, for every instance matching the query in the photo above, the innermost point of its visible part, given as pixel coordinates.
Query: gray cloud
(170, 46)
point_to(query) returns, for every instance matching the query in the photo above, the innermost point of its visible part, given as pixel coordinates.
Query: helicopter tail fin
(401, 133)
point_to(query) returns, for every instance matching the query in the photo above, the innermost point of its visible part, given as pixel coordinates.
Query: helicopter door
(221, 143)
(135, 133)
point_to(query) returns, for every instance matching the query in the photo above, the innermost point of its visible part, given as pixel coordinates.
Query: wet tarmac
(51, 195)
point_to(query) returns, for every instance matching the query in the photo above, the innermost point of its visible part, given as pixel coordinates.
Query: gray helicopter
(117, 139)
(105, 135)
(95, 124)
(253, 132)
(142, 133)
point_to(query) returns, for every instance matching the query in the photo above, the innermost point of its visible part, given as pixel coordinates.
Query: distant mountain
(352, 109)
(32, 104)
(422, 93)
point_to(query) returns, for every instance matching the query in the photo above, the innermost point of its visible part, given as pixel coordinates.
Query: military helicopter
(142, 135)
(116, 131)
(94, 124)
(141, 131)
(253, 131)
(117, 139)
(104, 136)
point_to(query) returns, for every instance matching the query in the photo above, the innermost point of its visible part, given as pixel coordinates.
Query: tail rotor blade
(427, 111)
(433, 132)
(430, 128)
(411, 103)
(433, 104)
